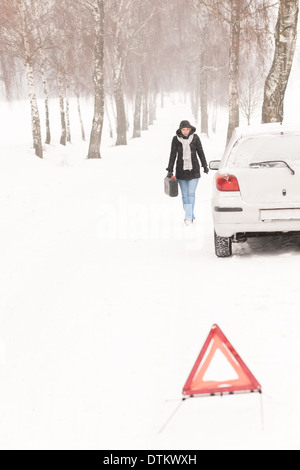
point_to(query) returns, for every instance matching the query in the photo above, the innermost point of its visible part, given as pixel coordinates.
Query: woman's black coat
(177, 152)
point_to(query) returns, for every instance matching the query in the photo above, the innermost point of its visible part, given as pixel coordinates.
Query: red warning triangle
(212, 376)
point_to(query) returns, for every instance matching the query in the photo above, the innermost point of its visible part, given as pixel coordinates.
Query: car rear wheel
(223, 246)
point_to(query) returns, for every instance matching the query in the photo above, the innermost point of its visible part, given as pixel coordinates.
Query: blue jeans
(188, 190)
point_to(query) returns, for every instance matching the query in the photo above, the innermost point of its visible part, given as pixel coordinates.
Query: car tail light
(227, 183)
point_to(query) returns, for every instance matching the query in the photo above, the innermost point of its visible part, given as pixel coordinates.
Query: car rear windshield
(265, 148)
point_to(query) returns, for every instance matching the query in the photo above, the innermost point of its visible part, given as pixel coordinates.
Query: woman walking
(187, 149)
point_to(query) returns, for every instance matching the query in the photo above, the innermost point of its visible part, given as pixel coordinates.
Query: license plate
(280, 214)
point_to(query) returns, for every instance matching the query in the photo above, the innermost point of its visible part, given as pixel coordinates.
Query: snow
(107, 298)
(267, 148)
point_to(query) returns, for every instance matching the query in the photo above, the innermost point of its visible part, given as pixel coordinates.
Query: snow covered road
(107, 298)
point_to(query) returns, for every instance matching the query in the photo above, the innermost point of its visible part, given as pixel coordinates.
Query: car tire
(223, 246)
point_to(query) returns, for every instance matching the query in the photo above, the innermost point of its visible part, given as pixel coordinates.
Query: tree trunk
(63, 137)
(35, 117)
(46, 102)
(111, 132)
(138, 107)
(80, 116)
(277, 80)
(195, 98)
(204, 101)
(145, 115)
(214, 117)
(152, 108)
(98, 78)
(119, 96)
(234, 57)
(68, 123)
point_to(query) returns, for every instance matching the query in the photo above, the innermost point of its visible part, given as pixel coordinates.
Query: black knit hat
(186, 124)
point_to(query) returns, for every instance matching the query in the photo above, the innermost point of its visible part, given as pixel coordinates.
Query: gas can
(171, 186)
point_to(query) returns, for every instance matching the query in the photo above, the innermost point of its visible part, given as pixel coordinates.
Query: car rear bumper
(229, 230)
(232, 216)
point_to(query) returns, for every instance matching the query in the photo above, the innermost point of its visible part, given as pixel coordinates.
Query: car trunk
(269, 185)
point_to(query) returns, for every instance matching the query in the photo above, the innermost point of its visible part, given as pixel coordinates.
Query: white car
(257, 186)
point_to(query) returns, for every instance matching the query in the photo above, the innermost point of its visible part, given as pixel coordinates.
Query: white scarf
(187, 156)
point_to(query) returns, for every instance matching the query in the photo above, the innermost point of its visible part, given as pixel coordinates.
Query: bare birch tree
(277, 80)
(234, 61)
(71, 57)
(43, 33)
(124, 29)
(97, 9)
(250, 98)
(240, 17)
(143, 47)
(19, 33)
(46, 95)
(23, 9)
